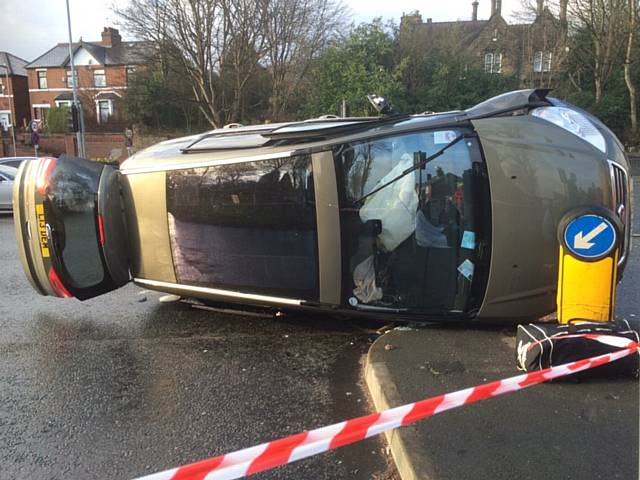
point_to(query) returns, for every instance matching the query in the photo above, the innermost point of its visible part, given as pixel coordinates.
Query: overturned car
(427, 217)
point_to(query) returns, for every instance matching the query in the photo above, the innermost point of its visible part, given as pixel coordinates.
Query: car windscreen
(70, 208)
(412, 237)
(248, 226)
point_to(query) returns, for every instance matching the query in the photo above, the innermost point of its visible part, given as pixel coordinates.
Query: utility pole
(74, 82)
(13, 120)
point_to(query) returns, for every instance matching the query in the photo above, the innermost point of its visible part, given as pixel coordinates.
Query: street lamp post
(80, 132)
(13, 120)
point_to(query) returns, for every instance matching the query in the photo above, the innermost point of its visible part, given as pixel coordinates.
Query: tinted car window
(248, 225)
(414, 243)
(71, 206)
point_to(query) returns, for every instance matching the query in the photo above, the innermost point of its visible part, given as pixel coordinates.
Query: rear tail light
(101, 229)
(56, 284)
(44, 172)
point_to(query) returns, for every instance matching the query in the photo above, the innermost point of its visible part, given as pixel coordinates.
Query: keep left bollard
(589, 239)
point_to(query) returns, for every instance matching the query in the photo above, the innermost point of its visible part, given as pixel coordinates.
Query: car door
(414, 239)
(70, 227)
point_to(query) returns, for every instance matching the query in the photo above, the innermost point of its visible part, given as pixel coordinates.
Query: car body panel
(29, 228)
(537, 172)
(146, 212)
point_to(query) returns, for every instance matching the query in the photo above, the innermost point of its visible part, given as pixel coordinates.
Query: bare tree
(602, 19)
(628, 61)
(245, 21)
(218, 44)
(295, 30)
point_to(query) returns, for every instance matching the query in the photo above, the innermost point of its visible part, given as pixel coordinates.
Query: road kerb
(407, 455)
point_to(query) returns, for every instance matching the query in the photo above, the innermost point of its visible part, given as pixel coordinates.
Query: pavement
(568, 429)
(121, 385)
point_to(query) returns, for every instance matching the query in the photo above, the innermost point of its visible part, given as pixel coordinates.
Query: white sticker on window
(466, 269)
(444, 136)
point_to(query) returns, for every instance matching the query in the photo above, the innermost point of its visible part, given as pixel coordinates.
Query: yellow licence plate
(42, 231)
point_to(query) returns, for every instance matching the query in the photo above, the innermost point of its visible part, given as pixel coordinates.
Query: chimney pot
(474, 15)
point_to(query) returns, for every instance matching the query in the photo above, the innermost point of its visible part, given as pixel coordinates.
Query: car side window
(248, 225)
(409, 240)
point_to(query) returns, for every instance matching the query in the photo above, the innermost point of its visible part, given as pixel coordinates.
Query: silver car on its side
(15, 161)
(7, 177)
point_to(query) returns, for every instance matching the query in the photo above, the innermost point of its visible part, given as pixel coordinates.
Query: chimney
(540, 8)
(474, 15)
(111, 37)
(563, 14)
(429, 20)
(496, 7)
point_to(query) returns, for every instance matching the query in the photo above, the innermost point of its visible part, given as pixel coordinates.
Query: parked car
(14, 161)
(434, 216)
(7, 177)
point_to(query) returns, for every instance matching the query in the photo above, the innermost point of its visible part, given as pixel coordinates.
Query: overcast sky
(28, 28)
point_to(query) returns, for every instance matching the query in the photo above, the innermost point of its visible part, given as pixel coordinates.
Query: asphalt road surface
(121, 385)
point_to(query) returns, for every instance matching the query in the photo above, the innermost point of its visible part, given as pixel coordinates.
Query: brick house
(14, 91)
(531, 51)
(103, 69)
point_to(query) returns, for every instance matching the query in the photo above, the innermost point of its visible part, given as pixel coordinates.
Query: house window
(131, 72)
(63, 103)
(4, 89)
(42, 79)
(99, 78)
(493, 62)
(40, 112)
(5, 119)
(69, 79)
(542, 61)
(104, 110)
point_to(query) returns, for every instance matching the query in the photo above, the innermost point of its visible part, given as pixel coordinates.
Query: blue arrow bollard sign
(590, 236)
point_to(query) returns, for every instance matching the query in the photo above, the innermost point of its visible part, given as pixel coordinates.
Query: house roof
(108, 96)
(469, 29)
(125, 53)
(16, 64)
(66, 96)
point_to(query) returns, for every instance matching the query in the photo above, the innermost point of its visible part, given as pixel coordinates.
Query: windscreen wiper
(418, 164)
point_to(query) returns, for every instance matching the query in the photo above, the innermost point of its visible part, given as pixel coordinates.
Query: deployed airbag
(395, 206)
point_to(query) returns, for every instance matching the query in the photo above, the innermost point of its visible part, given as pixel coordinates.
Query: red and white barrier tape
(306, 444)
